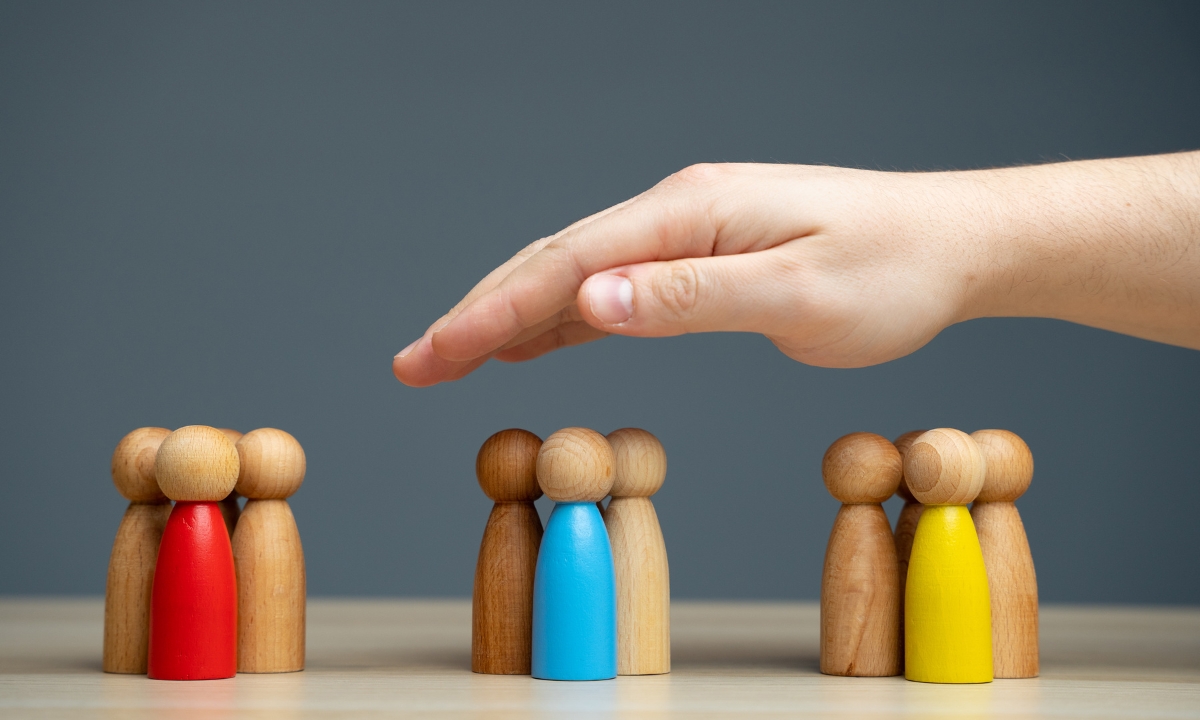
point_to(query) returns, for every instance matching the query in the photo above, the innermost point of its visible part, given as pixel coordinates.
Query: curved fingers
(559, 336)
(651, 228)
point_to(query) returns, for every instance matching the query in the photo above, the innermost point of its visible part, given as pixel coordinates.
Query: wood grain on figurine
(502, 598)
(860, 581)
(639, 554)
(944, 467)
(1012, 581)
(271, 588)
(502, 601)
(127, 592)
(268, 554)
(134, 552)
(575, 465)
(193, 464)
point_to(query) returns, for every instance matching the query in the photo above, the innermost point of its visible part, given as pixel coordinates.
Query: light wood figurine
(230, 510)
(860, 583)
(947, 610)
(268, 554)
(1011, 578)
(639, 554)
(134, 552)
(502, 601)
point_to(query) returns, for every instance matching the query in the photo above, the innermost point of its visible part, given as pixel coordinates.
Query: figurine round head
(640, 463)
(133, 465)
(944, 467)
(861, 468)
(575, 465)
(1009, 465)
(196, 463)
(272, 464)
(506, 466)
(903, 443)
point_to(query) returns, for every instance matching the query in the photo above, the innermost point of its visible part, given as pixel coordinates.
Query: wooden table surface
(405, 658)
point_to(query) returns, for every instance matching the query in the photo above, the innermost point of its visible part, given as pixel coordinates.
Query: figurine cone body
(193, 611)
(948, 613)
(574, 598)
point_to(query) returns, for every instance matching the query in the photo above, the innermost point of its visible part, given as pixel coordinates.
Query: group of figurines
(951, 596)
(205, 589)
(588, 599)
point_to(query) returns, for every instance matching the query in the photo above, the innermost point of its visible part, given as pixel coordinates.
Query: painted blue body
(575, 598)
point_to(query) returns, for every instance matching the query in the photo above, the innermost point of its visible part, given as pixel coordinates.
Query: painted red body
(193, 606)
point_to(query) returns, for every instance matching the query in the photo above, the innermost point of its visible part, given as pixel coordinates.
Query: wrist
(972, 239)
(1017, 249)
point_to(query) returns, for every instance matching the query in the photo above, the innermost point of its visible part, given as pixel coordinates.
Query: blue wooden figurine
(574, 588)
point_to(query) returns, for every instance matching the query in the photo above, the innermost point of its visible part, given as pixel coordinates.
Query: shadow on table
(420, 636)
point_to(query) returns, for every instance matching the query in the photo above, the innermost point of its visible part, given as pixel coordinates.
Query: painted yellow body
(947, 607)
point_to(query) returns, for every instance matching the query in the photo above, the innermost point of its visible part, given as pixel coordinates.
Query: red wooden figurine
(193, 606)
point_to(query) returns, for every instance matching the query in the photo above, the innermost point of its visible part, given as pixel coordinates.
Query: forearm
(1113, 244)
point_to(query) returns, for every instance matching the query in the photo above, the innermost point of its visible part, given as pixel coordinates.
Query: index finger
(652, 227)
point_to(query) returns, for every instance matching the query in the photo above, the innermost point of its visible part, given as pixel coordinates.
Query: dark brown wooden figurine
(502, 605)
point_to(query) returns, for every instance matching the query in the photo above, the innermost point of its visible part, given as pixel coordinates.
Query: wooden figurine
(860, 584)
(1011, 578)
(639, 554)
(947, 609)
(906, 525)
(574, 593)
(268, 554)
(134, 552)
(230, 510)
(502, 601)
(193, 606)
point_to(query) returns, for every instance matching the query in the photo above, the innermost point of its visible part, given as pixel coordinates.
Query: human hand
(837, 267)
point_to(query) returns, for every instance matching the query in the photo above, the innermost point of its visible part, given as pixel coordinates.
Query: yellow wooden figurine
(947, 607)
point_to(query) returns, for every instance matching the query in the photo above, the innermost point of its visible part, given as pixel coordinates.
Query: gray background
(236, 214)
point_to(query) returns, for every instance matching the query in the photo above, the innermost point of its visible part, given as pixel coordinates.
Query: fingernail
(610, 298)
(407, 350)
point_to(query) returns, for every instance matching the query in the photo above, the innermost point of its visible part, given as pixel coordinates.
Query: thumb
(745, 293)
